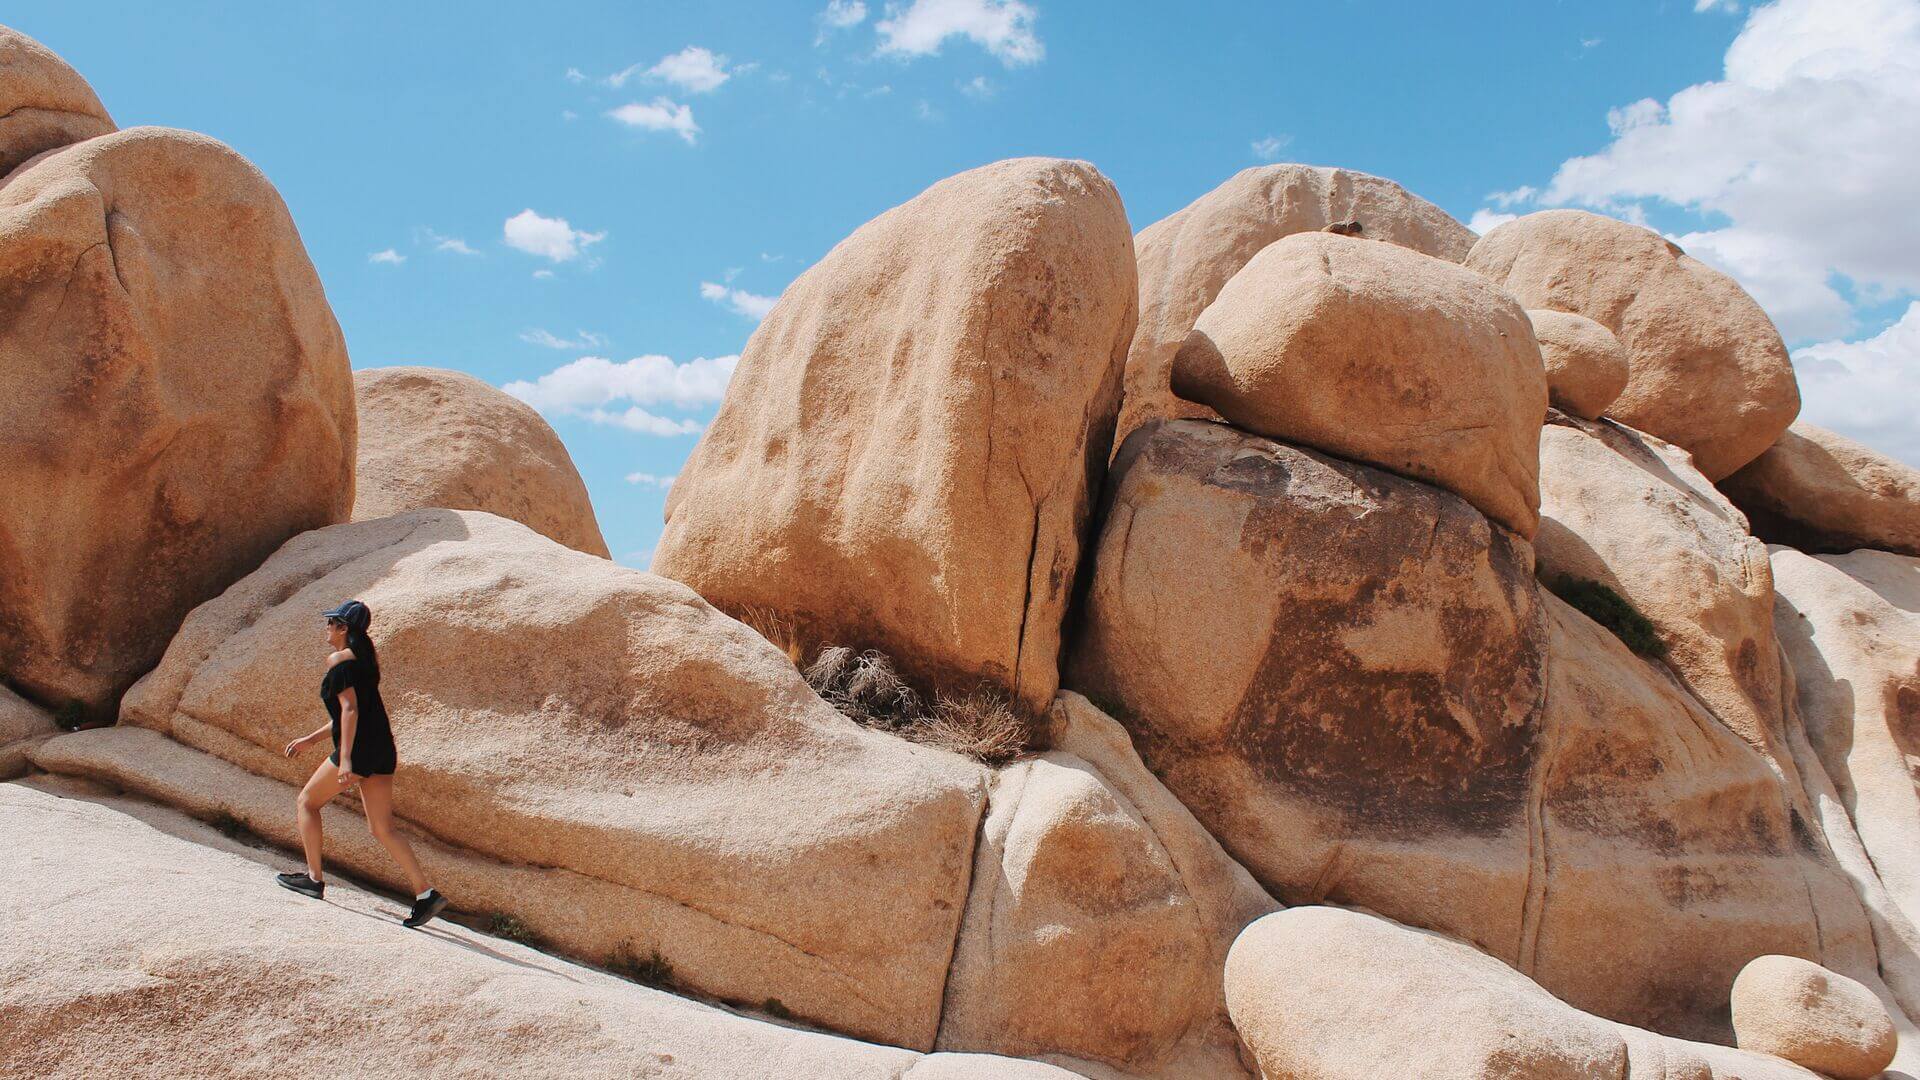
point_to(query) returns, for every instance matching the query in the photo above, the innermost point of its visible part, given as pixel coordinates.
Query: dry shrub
(777, 627)
(980, 725)
(865, 687)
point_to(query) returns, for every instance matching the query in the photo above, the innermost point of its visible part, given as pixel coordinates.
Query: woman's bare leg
(376, 797)
(320, 790)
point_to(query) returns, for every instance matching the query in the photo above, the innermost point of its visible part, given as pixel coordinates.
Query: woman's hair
(363, 651)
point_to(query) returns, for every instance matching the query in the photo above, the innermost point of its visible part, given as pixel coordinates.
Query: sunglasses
(335, 622)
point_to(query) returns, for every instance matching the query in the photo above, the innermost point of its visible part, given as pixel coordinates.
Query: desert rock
(436, 438)
(1708, 370)
(174, 395)
(1586, 365)
(1791, 1008)
(1381, 355)
(1824, 493)
(553, 709)
(910, 447)
(21, 725)
(1187, 257)
(44, 103)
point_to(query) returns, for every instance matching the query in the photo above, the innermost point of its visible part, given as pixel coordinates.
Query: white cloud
(635, 418)
(446, 243)
(575, 75)
(693, 69)
(1802, 155)
(980, 88)
(582, 339)
(742, 302)
(1591, 42)
(389, 256)
(1485, 221)
(1730, 6)
(592, 383)
(660, 114)
(925, 111)
(543, 273)
(1268, 148)
(841, 14)
(1865, 389)
(550, 238)
(647, 479)
(1002, 27)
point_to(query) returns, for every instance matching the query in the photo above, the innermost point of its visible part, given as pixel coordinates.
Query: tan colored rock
(208, 969)
(1586, 365)
(44, 103)
(22, 724)
(436, 438)
(1708, 370)
(1632, 513)
(1380, 355)
(553, 709)
(1850, 626)
(1798, 1010)
(909, 449)
(1824, 493)
(1187, 257)
(1373, 658)
(1324, 993)
(174, 395)
(1100, 914)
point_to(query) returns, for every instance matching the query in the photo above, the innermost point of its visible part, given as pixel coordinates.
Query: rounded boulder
(1586, 365)
(1798, 1010)
(44, 103)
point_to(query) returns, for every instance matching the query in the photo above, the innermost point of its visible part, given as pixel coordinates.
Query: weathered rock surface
(436, 438)
(555, 710)
(1100, 915)
(1850, 627)
(1382, 355)
(174, 395)
(1632, 513)
(1586, 365)
(1325, 993)
(1187, 257)
(209, 969)
(1798, 1010)
(1709, 371)
(911, 444)
(44, 103)
(21, 724)
(1824, 493)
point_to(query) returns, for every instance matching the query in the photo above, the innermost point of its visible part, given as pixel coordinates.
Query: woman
(363, 754)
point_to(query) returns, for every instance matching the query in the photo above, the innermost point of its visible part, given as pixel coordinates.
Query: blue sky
(756, 135)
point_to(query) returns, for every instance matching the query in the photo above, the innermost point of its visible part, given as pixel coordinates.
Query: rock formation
(1708, 371)
(44, 104)
(910, 447)
(172, 376)
(1381, 355)
(22, 725)
(436, 438)
(1824, 493)
(1586, 365)
(1187, 257)
(1787, 1007)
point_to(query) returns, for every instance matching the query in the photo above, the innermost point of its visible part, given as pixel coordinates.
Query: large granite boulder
(174, 396)
(1824, 493)
(1586, 365)
(1708, 370)
(910, 447)
(44, 103)
(1381, 355)
(436, 438)
(1798, 1010)
(1187, 257)
(683, 789)
(207, 969)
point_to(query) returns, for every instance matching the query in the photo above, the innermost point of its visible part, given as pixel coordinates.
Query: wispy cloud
(660, 114)
(1268, 147)
(695, 69)
(452, 244)
(1485, 221)
(595, 389)
(388, 256)
(647, 479)
(549, 238)
(582, 339)
(979, 88)
(842, 14)
(1002, 27)
(752, 306)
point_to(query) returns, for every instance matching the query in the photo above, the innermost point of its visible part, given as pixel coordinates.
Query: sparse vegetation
(512, 929)
(229, 825)
(865, 687)
(775, 1008)
(776, 627)
(651, 970)
(1611, 610)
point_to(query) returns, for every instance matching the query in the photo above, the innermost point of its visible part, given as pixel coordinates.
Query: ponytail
(362, 647)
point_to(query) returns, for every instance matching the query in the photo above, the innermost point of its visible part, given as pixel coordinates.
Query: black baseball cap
(354, 614)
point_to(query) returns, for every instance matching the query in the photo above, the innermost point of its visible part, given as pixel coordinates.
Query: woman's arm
(349, 721)
(307, 740)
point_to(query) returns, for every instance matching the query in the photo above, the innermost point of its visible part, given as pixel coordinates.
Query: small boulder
(44, 103)
(908, 453)
(1381, 355)
(1798, 1010)
(1189, 255)
(22, 724)
(1708, 371)
(436, 438)
(1824, 493)
(1586, 365)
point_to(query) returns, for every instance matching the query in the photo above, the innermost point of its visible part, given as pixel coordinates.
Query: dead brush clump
(778, 628)
(865, 688)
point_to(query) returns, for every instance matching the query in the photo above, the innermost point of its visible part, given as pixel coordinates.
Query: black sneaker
(425, 909)
(301, 883)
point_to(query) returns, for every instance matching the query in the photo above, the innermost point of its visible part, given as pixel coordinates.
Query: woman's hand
(347, 779)
(298, 745)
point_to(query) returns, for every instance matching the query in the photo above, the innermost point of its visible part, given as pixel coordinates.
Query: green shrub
(651, 970)
(775, 1008)
(1611, 610)
(506, 926)
(229, 825)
